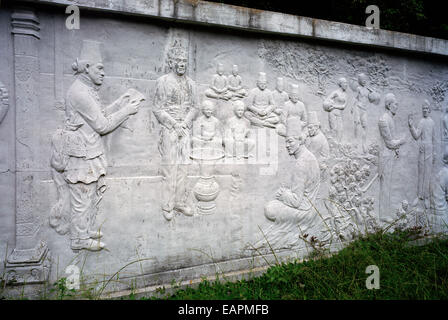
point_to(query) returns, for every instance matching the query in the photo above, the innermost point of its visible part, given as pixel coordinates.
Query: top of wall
(222, 15)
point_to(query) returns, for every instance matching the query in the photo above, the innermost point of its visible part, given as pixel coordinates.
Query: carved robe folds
(174, 104)
(293, 212)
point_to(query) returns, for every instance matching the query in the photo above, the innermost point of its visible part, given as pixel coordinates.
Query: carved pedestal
(29, 261)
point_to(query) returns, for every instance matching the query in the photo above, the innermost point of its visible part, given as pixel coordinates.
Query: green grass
(406, 272)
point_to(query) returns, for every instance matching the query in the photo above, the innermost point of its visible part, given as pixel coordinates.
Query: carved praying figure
(237, 138)
(78, 154)
(261, 105)
(235, 83)
(334, 104)
(175, 108)
(360, 110)
(424, 133)
(207, 131)
(219, 88)
(292, 210)
(389, 152)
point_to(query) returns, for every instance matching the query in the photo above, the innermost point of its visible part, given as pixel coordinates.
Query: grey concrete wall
(134, 56)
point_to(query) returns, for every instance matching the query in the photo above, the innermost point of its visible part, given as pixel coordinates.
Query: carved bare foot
(168, 215)
(87, 244)
(183, 208)
(95, 234)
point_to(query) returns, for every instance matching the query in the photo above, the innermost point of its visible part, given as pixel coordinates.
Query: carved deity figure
(175, 109)
(316, 142)
(389, 152)
(438, 218)
(292, 210)
(360, 110)
(207, 131)
(78, 154)
(235, 84)
(219, 88)
(261, 105)
(237, 137)
(293, 109)
(424, 133)
(4, 102)
(334, 104)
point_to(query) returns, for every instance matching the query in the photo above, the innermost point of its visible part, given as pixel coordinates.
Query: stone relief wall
(197, 147)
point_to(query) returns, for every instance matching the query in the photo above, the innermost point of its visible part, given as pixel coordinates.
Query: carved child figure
(207, 129)
(219, 88)
(235, 84)
(237, 138)
(260, 110)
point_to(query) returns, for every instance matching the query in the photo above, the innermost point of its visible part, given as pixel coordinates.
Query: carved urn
(206, 189)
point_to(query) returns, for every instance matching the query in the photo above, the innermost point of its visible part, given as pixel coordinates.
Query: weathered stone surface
(180, 151)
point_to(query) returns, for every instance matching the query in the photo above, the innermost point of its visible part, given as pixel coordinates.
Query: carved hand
(123, 100)
(411, 119)
(132, 108)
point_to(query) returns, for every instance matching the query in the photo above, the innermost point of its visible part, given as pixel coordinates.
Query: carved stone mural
(190, 150)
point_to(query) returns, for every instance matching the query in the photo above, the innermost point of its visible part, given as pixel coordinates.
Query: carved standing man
(425, 134)
(261, 105)
(175, 108)
(78, 155)
(390, 151)
(334, 104)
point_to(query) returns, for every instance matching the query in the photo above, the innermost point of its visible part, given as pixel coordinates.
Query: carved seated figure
(292, 210)
(207, 129)
(237, 139)
(235, 84)
(219, 88)
(260, 110)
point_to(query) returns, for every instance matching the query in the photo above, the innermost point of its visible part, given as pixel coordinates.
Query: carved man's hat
(261, 76)
(294, 89)
(91, 52)
(312, 118)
